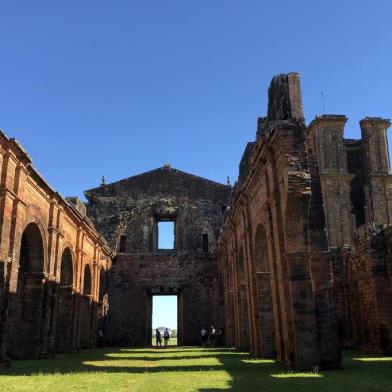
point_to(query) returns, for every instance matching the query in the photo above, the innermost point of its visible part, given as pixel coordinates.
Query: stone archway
(263, 305)
(65, 315)
(28, 312)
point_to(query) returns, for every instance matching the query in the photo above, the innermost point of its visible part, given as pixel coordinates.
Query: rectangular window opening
(164, 315)
(205, 243)
(165, 235)
(123, 244)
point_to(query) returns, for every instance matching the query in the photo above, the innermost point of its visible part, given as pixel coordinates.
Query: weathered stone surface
(363, 290)
(131, 209)
(46, 242)
(294, 256)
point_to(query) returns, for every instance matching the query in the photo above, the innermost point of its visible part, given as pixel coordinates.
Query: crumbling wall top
(284, 98)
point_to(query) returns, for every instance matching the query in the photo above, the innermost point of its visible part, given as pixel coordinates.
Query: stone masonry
(304, 256)
(127, 212)
(273, 253)
(53, 265)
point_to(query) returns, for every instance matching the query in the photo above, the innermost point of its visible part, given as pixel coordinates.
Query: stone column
(325, 135)
(95, 299)
(249, 260)
(74, 321)
(49, 298)
(5, 268)
(378, 180)
(78, 290)
(55, 292)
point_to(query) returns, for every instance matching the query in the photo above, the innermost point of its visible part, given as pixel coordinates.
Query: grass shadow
(361, 372)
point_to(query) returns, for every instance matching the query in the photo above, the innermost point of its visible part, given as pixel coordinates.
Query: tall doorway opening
(165, 316)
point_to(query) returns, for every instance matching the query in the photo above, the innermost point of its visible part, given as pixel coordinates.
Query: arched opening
(65, 313)
(86, 320)
(263, 312)
(87, 280)
(66, 277)
(29, 310)
(243, 303)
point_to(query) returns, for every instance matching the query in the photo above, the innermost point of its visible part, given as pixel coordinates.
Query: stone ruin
(128, 212)
(293, 262)
(304, 256)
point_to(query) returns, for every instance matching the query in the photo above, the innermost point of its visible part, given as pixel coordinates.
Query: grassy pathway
(189, 369)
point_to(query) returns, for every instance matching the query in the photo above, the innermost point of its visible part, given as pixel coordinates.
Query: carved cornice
(8, 192)
(56, 230)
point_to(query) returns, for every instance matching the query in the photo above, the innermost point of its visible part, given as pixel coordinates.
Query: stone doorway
(164, 314)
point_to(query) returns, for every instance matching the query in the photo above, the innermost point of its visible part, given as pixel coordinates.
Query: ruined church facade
(128, 213)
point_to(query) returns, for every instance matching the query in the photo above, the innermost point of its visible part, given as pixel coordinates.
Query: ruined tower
(273, 251)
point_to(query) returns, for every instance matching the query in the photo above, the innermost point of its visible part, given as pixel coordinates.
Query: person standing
(212, 335)
(100, 338)
(203, 334)
(158, 337)
(166, 336)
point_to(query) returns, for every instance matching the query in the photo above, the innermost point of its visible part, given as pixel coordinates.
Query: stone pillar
(49, 299)
(248, 255)
(306, 354)
(5, 268)
(378, 180)
(52, 289)
(78, 290)
(74, 321)
(235, 285)
(95, 299)
(53, 318)
(325, 138)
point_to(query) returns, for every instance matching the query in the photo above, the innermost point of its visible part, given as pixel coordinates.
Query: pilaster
(325, 139)
(378, 179)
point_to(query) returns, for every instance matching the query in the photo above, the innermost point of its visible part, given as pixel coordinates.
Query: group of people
(208, 337)
(158, 337)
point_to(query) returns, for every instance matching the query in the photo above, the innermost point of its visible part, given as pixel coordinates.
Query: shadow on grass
(118, 361)
(162, 350)
(361, 372)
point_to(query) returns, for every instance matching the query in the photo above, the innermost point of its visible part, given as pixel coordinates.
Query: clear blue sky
(94, 88)
(165, 235)
(164, 311)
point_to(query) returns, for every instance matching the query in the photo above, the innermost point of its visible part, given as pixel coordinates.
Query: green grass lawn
(189, 369)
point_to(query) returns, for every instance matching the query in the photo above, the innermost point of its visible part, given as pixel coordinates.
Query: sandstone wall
(46, 244)
(273, 254)
(131, 209)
